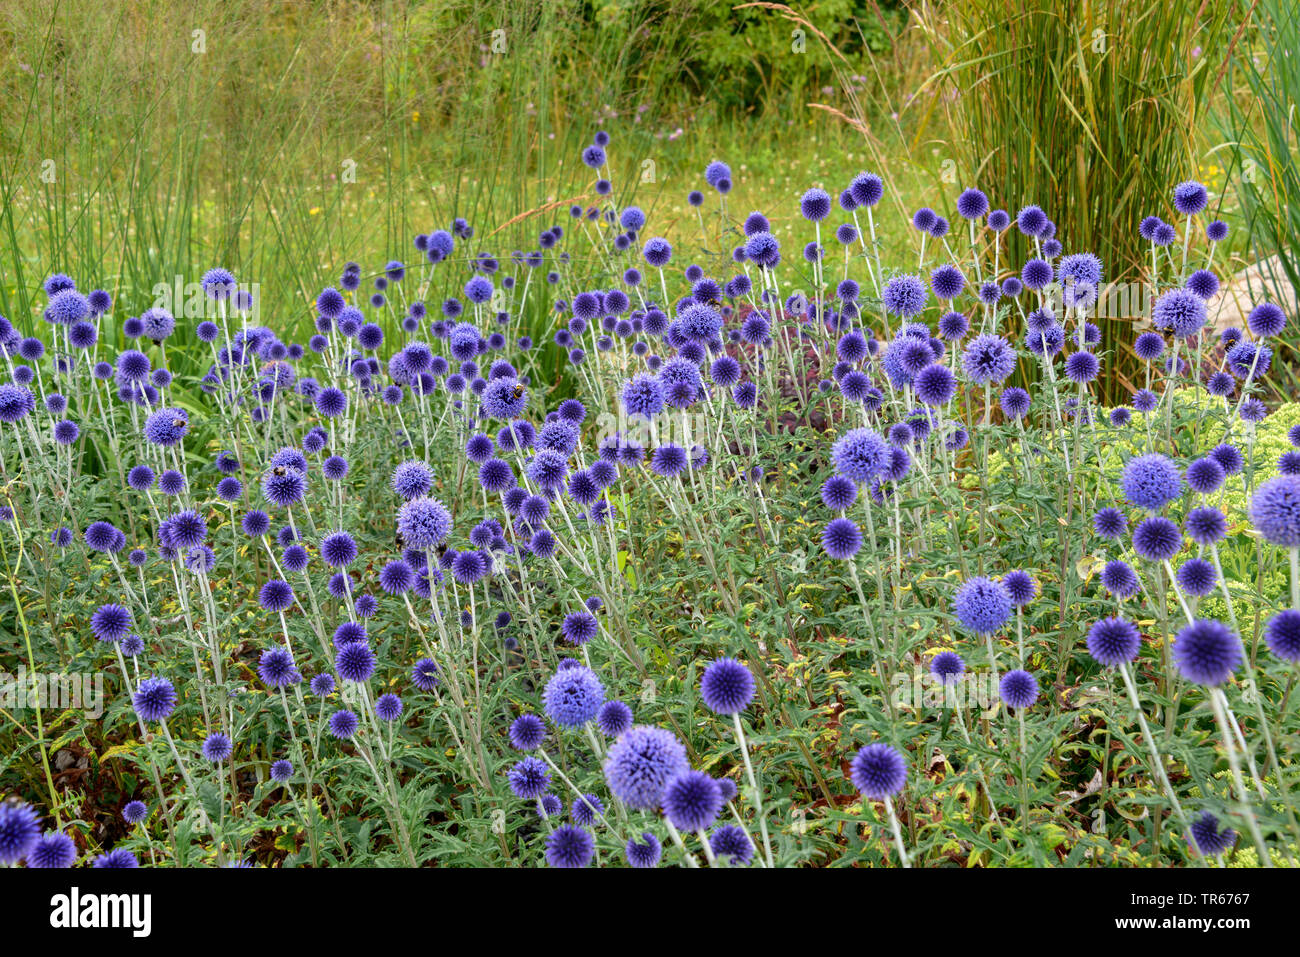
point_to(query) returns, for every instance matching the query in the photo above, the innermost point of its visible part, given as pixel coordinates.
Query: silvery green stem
(677, 839)
(898, 833)
(1234, 763)
(753, 785)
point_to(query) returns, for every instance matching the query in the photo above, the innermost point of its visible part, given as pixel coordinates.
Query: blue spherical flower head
(570, 846)
(529, 779)
(1204, 836)
(1157, 539)
(281, 771)
(573, 696)
(579, 627)
(1275, 511)
(119, 857)
(860, 455)
(1021, 586)
(1113, 641)
(166, 427)
(643, 853)
(1197, 577)
(947, 667)
(110, 623)
(424, 522)
(1283, 635)
(343, 724)
(1119, 579)
(1205, 476)
(53, 849)
(424, 674)
(217, 747)
(19, 832)
(527, 732)
(276, 669)
(841, 538)
(988, 359)
(1080, 278)
(1018, 689)
(1207, 652)
(134, 812)
(1266, 320)
(982, 605)
(692, 800)
(154, 699)
(904, 296)
(1190, 198)
(412, 479)
(727, 686)
(613, 718)
(355, 662)
(731, 845)
(1151, 481)
(388, 707)
(1181, 311)
(878, 771)
(640, 764)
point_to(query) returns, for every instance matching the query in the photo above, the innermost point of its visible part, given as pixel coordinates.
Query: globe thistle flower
(1157, 539)
(1149, 346)
(255, 523)
(1080, 278)
(132, 645)
(527, 732)
(1197, 577)
(338, 550)
(166, 427)
(1082, 367)
(947, 281)
(669, 460)
(1205, 476)
(1241, 358)
(935, 384)
(1204, 836)
(424, 522)
(1151, 481)
(284, 486)
(1275, 511)
(322, 684)
(331, 402)
(982, 605)
(641, 763)
(904, 296)
(860, 455)
(988, 359)
(815, 205)
(643, 853)
(281, 771)
(529, 778)
(343, 724)
(1288, 463)
(692, 800)
(878, 771)
(841, 538)
(1018, 689)
(1190, 198)
(953, 326)
(412, 479)
(1203, 283)
(1216, 231)
(1282, 635)
(548, 805)
(134, 812)
(1113, 641)
(613, 718)
(573, 696)
(1119, 579)
(388, 707)
(867, 189)
(586, 809)
(579, 627)
(947, 667)
(171, 482)
(19, 832)
(217, 747)
(569, 846)
(295, 558)
(1021, 586)
(1205, 526)
(276, 669)
(118, 857)
(110, 623)
(355, 662)
(838, 493)
(53, 849)
(727, 686)
(1207, 652)
(1031, 220)
(1014, 402)
(154, 699)
(1181, 311)
(1228, 457)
